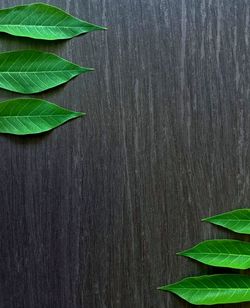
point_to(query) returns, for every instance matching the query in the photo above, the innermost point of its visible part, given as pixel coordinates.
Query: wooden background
(93, 213)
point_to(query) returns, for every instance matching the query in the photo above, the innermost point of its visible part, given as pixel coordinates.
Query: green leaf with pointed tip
(213, 289)
(30, 71)
(221, 253)
(43, 21)
(32, 116)
(237, 220)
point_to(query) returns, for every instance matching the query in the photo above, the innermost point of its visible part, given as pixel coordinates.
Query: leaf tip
(160, 288)
(163, 288)
(83, 69)
(102, 28)
(80, 114)
(76, 114)
(183, 253)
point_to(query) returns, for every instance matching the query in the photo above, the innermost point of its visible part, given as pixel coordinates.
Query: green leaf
(237, 220)
(30, 71)
(222, 253)
(43, 21)
(32, 116)
(213, 289)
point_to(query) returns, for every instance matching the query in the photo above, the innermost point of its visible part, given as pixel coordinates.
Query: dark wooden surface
(93, 213)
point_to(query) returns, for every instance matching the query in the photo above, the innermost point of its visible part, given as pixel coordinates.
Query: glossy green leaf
(213, 289)
(237, 220)
(221, 253)
(30, 71)
(32, 116)
(43, 21)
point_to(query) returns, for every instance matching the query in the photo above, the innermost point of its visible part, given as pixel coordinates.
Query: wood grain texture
(93, 213)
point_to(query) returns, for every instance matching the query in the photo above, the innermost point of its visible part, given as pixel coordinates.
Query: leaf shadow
(26, 139)
(229, 234)
(29, 43)
(241, 305)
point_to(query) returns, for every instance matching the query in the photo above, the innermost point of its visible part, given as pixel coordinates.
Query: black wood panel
(93, 213)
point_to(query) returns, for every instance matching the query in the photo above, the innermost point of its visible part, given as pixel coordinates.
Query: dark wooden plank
(93, 213)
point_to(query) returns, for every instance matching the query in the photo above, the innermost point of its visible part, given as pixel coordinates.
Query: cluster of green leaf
(234, 254)
(31, 71)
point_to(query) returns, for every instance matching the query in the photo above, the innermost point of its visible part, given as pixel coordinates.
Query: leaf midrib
(210, 289)
(238, 220)
(40, 26)
(41, 72)
(219, 253)
(34, 116)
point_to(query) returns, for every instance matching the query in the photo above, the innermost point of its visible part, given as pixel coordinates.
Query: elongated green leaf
(212, 290)
(237, 220)
(222, 253)
(30, 71)
(32, 116)
(42, 21)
